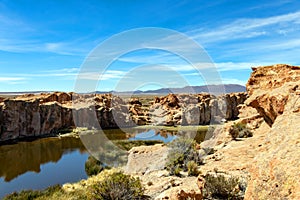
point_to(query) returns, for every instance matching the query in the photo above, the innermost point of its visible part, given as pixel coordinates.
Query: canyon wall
(53, 113)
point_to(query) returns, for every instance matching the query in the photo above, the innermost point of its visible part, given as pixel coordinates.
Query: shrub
(33, 194)
(224, 186)
(118, 186)
(181, 151)
(192, 168)
(93, 166)
(240, 130)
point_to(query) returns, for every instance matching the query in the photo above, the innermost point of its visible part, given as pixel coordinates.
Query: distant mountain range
(215, 89)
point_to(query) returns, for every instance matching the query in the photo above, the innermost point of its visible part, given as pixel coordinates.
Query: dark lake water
(44, 162)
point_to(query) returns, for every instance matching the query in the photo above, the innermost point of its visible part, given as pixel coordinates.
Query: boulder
(145, 159)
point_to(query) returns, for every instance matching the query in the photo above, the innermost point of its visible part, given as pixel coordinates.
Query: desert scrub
(224, 186)
(181, 152)
(192, 168)
(240, 130)
(51, 193)
(117, 186)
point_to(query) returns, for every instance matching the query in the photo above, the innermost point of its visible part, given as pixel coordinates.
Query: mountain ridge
(228, 88)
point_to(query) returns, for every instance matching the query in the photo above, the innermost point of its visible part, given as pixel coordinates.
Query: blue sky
(44, 44)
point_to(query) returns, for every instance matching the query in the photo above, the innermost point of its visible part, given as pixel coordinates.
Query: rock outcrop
(275, 93)
(200, 109)
(51, 113)
(269, 89)
(153, 158)
(269, 161)
(44, 114)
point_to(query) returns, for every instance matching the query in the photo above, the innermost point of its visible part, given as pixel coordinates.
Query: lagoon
(40, 163)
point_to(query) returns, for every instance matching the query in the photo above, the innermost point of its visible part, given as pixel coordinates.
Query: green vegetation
(192, 168)
(240, 130)
(109, 184)
(118, 186)
(51, 193)
(181, 152)
(223, 186)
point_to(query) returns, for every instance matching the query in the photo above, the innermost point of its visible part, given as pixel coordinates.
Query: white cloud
(233, 81)
(232, 66)
(4, 79)
(12, 80)
(109, 74)
(63, 70)
(245, 28)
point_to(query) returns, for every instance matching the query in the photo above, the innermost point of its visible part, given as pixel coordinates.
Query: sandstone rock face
(180, 189)
(269, 161)
(200, 109)
(269, 89)
(36, 115)
(145, 159)
(275, 94)
(50, 113)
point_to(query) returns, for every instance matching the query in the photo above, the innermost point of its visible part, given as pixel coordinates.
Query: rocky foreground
(53, 113)
(265, 166)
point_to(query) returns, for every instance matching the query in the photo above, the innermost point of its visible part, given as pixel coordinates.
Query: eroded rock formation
(270, 87)
(37, 115)
(51, 113)
(275, 94)
(271, 158)
(200, 109)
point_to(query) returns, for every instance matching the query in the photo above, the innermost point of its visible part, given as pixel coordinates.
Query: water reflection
(19, 158)
(44, 162)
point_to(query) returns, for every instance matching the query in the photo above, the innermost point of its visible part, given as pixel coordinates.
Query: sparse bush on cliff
(181, 152)
(240, 130)
(118, 186)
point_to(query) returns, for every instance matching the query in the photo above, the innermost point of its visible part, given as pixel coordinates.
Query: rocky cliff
(275, 94)
(269, 161)
(200, 109)
(52, 113)
(44, 114)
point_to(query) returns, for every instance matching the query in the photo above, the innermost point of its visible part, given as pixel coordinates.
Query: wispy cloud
(17, 35)
(246, 28)
(63, 71)
(65, 74)
(12, 80)
(109, 74)
(233, 81)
